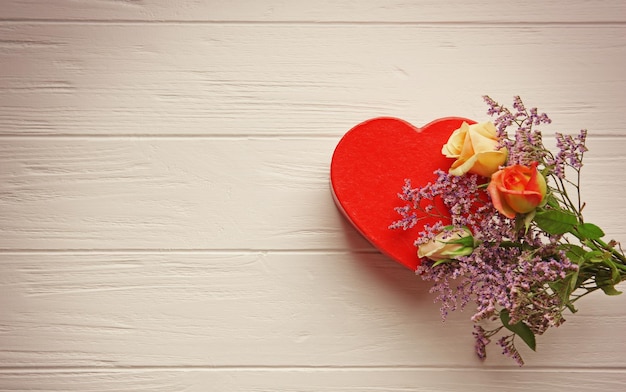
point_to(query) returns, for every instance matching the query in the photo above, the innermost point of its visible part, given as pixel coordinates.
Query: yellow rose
(448, 244)
(474, 147)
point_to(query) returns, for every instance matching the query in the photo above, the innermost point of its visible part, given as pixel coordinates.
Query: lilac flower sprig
(532, 258)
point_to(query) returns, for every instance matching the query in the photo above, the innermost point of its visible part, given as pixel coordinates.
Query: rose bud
(517, 189)
(475, 149)
(450, 243)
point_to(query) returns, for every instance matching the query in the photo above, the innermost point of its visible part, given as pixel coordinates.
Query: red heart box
(368, 170)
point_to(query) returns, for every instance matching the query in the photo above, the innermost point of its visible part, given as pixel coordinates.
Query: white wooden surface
(165, 217)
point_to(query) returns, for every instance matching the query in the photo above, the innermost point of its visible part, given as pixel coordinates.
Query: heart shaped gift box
(369, 167)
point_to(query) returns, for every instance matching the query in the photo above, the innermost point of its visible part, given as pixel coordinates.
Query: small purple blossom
(481, 341)
(509, 350)
(570, 154)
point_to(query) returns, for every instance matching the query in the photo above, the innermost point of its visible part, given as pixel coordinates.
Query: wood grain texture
(422, 11)
(165, 215)
(179, 193)
(263, 309)
(308, 80)
(314, 380)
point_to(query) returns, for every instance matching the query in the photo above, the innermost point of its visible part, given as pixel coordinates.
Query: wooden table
(165, 216)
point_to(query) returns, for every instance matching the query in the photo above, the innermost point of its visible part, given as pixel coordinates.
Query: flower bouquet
(510, 235)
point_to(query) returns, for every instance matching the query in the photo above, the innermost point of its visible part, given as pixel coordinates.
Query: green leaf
(552, 201)
(439, 262)
(565, 287)
(528, 219)
(615, 275)
(520, 329)
(606, 281)
(570, 283)
(573, 282)
(561, 288)
(575, 253)
(555, 221)
(594, 256)
(466, 242)
(590, 231)
(610, 290)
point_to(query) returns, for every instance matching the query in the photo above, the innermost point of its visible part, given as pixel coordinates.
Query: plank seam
(489, 24)
(301, 368)
(234, 136)
(188, 251)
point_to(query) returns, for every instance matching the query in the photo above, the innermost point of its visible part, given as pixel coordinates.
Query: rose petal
(482, 140)
(494, 192)
(452, 149)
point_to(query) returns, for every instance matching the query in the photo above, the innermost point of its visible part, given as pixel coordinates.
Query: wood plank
(264, 309)
(207, 193)
(171, 193)
(293, 79)
(314, 380)
(506, 11)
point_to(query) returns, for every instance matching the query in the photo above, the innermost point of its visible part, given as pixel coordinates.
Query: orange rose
(474, 147)
(517, 189)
